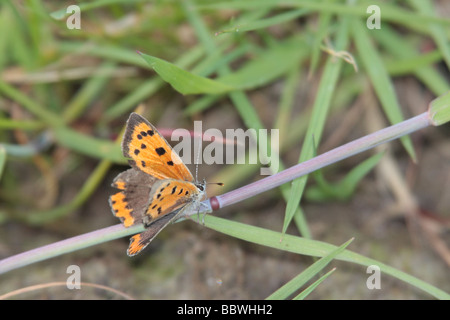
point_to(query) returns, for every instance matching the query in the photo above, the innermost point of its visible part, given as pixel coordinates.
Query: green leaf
(389, 12)
(399, 46)
(296, 283)
(437, 31)
(84, 144)
(343, 189)
(439, 110)
(263, 69)
(269, 65)
(380, 79)
(267, 22)
(320, 110)
(2, 160)
(84, 7)
(183, 81)
(302, 295)
(311, 247)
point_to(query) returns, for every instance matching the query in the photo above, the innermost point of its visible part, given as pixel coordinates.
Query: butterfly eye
(200, 187)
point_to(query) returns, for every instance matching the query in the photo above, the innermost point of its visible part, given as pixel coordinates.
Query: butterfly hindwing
(139, 241)
(150, 152)
(131, 203)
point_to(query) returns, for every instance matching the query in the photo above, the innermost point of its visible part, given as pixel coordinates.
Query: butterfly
(156, 189)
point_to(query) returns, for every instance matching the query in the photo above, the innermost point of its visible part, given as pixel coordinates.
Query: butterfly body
(157, 188)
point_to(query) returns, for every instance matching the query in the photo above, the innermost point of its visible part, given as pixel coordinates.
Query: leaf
(2, 159)
(302, 295)
(269, 65)
(183, 81)
(296, 283)
(96, 148)
(269, 238)
(320, 110)
(343, 189)
(380, 79)
(439, 110)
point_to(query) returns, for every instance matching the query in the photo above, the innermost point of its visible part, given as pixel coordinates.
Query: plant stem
(232, 197)
(327, 158)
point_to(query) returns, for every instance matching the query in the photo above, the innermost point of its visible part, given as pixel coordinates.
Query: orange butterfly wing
(170, 195)
(150, 152)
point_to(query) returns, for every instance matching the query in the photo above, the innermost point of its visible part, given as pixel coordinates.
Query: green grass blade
(84, 7)
(2, 160)
(437, 31)
(296, 283)
(390, 13)
(93, 147)
(345, 188)
(105, 51)
(183, 81)
(322, 32)
(311, 247)
(411, 64)
(239, 99)
(320, 110)
(269, 65)
(401, 49)
(149, 87)
(302, 295)
(439, 110)
(29, 104)
(267, 22)
(379, 78)
(88, 92)
(6, 123)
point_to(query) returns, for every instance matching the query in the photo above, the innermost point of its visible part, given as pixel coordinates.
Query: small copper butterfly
(157, 188)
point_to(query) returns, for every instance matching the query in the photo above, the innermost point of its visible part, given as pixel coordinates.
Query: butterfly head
(201, 186)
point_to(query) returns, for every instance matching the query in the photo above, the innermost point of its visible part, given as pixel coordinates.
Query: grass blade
(317, 122)
(183, 81)
(93, 147)
(343, 189)
(289, 288)
(380, 80)
(311, 247)
(302, 295)
(2, 160)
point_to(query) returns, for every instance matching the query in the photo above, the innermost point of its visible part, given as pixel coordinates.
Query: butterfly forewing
(169, 195)
(150, 152)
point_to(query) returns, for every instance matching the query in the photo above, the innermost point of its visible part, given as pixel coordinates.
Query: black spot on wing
(160, 151)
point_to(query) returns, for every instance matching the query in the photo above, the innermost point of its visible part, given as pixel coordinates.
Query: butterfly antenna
(217, 183)
(198, 159)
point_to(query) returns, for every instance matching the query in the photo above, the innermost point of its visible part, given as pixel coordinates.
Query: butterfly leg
(206, 211)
